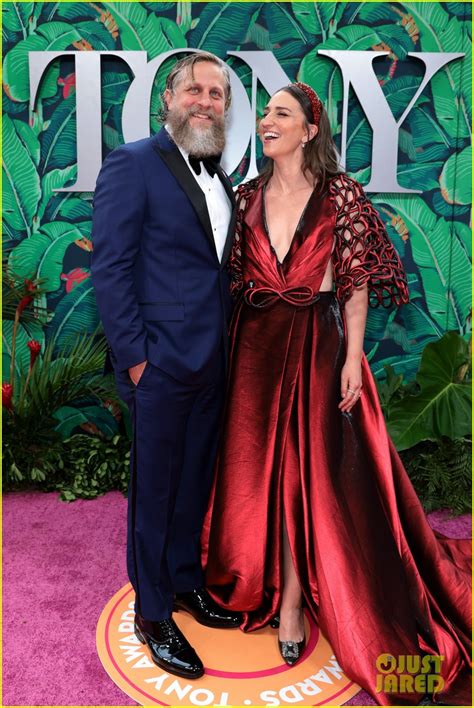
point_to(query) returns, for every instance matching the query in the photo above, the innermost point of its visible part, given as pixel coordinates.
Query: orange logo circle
(241, 669)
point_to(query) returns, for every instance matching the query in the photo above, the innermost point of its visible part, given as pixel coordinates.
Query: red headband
(315, 101)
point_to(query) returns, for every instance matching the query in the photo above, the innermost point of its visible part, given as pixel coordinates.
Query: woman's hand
(351, 384)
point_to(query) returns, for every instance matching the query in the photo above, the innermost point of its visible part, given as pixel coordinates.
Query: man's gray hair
(184, 67)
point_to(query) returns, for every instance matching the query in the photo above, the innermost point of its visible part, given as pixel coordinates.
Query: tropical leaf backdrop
(47, 234)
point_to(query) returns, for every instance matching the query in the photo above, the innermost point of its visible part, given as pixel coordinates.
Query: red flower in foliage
(35, 348)
(74, 277)
(68, 83)
(7, 393)
(25, 301)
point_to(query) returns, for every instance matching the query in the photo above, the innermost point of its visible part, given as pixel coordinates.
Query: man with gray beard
(164, 217)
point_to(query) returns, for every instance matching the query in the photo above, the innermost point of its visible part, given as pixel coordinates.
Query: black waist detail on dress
(298, 296)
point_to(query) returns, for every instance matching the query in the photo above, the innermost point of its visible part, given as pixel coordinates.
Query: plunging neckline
(297, 229)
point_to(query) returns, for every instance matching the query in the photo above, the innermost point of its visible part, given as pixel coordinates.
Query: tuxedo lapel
(176, 163)
(231, 230)
(172, 157)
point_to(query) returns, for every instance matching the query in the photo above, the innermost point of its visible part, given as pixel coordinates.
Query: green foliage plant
(48, 390)
(429, 420)
(441, 404)
(32, 441)
(441, 473)
(94, 466)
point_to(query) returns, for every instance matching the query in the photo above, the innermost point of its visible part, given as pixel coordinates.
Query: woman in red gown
(311, 504)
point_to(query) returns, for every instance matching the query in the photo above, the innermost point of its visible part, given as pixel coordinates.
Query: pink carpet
(61, 564)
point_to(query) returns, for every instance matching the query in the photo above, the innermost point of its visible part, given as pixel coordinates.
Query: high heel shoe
(275, 622)
(291, 652)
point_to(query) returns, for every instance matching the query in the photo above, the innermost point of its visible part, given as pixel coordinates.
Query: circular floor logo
(241, 669)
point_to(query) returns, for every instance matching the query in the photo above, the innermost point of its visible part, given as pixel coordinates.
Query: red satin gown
(374, 575)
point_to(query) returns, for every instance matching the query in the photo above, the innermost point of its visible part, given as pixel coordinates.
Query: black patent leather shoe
(169, 648)
(291, 652)
(205, 611)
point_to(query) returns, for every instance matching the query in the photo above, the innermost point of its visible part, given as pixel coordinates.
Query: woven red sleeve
(234, 263)
(363, 253)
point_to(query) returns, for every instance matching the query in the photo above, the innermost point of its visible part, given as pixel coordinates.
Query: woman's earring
(303, 145)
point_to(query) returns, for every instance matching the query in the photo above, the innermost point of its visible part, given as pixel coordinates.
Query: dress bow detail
(299, 296)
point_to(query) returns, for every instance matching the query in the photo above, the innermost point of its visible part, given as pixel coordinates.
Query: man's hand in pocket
(135, 372)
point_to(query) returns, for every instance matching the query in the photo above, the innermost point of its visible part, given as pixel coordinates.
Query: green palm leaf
(222, 25)
(378, 319)
(75, 10)
(422, 176)
(434, 25)
(447, 105)
(358, 36)
(29, 139)
(70, 418)
(260, 36)
(41, 256)
(75, 314)
(441, 33)
(59, 35)
(291, 41)
(425, 129)
(460, 9)
(438, 32)
(315, 17)
(21, 183)
(463, 234)
(429, 238)
(406, 365)
(58, 142)
(159, 6)
(418, 323)
(68, 207)
(111, 137)
(420, 327)
(375, 12)
(16, 15)
(130, 18)
(114, 88)
(449, 211)
(460, 266)
(97, 35)
(397, 38)
(52, 181)
(15, 70)
(432, 153)
(406, 144)
(400, 91)
(455, 179)
(159, 35)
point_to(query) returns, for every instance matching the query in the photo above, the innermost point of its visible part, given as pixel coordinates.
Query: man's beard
(198, 142)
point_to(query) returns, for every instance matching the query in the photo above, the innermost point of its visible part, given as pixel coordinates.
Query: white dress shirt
(218, 203)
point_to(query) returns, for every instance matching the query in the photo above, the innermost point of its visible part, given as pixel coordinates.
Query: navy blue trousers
(176, 429)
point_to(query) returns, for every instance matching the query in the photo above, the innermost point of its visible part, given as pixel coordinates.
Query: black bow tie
(211, 164)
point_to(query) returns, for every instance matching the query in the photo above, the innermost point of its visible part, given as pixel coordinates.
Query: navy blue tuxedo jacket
(161, 291)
